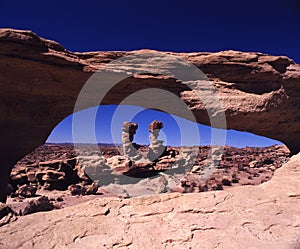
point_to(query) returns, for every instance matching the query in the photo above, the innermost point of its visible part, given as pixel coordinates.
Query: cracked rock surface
(264, 216)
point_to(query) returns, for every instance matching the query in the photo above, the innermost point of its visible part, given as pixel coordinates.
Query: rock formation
(26, 190)
(182, 168)
(39, 205)
(156, 148)
(77, 189)
(128, 131)
(6, 214)
(40, 81)
(264, 216)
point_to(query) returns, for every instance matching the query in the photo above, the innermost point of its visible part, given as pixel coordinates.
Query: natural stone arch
(40, 82)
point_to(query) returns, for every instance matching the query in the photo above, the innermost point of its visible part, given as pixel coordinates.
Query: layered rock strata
(40, 82)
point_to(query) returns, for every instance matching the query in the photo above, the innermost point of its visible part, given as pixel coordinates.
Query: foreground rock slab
(264, 216)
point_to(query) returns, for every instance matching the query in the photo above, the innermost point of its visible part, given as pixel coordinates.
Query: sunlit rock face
(40, 81)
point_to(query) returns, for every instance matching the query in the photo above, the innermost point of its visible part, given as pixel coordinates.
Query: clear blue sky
(191, 25)
(170, 133)
(266, 26)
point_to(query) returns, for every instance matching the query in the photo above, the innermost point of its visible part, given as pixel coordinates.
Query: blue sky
(191, 25)
(109, 131)
(265, 26)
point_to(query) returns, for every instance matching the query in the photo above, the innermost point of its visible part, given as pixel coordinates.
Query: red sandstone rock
(255, 89)
(26, 191)
(237, 170)
(91, 189)
(155, 125)
(76, 189)
(6, 214)
(39, 205)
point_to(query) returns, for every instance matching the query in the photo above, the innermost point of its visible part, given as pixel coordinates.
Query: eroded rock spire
(128, 131)
(156, 148)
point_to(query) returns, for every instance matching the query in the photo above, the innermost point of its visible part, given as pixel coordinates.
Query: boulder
(26, 191)
(92, 189)
(6, 214)
(76, 189)
(40, 205)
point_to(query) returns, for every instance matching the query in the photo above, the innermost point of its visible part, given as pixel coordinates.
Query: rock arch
(40, 81)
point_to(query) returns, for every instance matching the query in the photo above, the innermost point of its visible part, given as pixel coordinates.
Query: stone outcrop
(41, 204)
(128, 131)
(52, 174)
(180, 169)
(264, 216)
(90, 169)
(40, 81)
(77, 189)
(156, 147)
(6, 215)
(26, 191)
